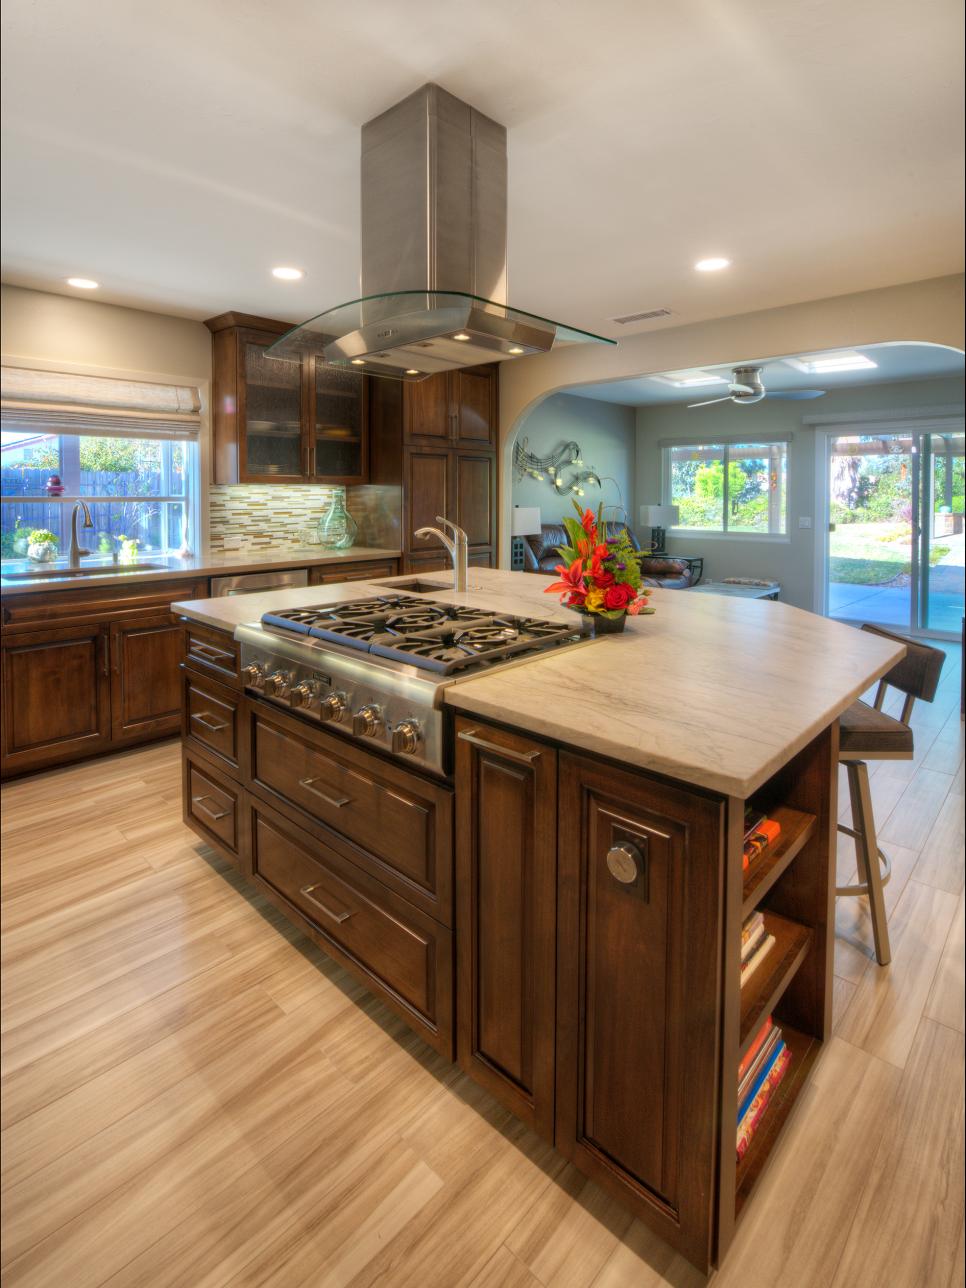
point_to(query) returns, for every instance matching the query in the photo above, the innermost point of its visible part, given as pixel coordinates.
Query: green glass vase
(337, 528)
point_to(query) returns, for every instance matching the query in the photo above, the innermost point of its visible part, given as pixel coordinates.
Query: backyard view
(138, 489)
(729, 487)
(872, 509)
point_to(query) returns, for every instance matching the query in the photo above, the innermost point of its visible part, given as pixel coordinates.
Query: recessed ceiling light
(712, 265)
(516, 349)
(461, 335)
(825, 364)
(358, 362)
(288, 274)
(83, 283)
(411, 371)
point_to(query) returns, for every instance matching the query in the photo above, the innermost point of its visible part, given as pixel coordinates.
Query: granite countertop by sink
(714, 691)
(212, 563)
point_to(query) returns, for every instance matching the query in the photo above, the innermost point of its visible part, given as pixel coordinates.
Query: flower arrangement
(599, 576)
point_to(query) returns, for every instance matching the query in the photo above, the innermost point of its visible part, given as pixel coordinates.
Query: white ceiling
(176, 152)
(893, 363)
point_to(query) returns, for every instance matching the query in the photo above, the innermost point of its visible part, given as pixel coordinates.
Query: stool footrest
(884, 862)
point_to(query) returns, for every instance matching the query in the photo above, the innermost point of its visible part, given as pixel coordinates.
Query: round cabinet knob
(254, 675)
(405, 736)
(332, 706)
(624, 863)
(277, 683)
(366, 720)
(301, 695)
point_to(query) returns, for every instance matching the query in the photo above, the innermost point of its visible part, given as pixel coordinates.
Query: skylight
(690, 379)
(823, 364)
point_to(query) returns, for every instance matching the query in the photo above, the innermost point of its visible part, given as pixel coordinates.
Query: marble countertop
(711, 690)
(212, 563)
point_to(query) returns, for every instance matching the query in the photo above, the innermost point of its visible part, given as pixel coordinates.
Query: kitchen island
(561, 907)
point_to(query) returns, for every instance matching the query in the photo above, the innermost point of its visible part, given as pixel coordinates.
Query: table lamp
(526, 523)
(658, 518)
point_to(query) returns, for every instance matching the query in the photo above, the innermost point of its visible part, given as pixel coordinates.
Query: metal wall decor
(554, 467)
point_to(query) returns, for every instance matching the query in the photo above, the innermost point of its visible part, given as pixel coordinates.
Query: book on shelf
(751, 941)
(749, 967)
(753, 820)
(757, 1043)
(758, 839)
(750, 926)
(752, 1118)
(753, 1079)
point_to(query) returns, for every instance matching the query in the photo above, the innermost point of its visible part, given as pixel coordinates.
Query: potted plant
(41, 546)
(20, 538)
(600, 577)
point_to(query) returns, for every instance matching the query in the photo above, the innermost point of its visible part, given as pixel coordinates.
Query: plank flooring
(194, 1095)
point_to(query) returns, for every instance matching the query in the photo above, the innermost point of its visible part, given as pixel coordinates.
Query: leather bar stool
(867, 733)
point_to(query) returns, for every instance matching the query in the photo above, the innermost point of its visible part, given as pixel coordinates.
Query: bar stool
(867, 733)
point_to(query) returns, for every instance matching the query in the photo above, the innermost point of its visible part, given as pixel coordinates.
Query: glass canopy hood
(409, 335)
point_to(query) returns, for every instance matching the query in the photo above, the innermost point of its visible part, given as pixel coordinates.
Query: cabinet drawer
(403, 823)
(212, 653)
(212, 806)
(211, 715)
(332, 574)
(399, 952)
(100, 604)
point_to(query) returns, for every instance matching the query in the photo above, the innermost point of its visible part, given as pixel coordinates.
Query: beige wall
(930, 311)
(81, 332)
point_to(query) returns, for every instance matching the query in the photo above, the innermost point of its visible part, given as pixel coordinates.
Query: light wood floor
(193, 1095)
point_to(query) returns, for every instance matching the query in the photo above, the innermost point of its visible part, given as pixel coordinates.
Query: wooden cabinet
(279, 421)
(369, 570)
(640, 892)
(88, 671)
(506, 868)
(56, 696)
(437, 439)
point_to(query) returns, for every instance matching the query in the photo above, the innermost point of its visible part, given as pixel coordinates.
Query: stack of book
(759, 1074)
(756, 944)
(760, 832)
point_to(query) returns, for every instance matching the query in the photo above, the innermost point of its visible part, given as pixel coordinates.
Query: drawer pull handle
(306, 892)
(212, 814)
(337, 801)
(524, 757)
(211, 725)
(211, 653)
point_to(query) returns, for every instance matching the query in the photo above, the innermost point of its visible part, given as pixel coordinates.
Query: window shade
(59, 402)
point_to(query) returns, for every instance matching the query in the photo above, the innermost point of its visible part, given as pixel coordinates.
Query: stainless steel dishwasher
(248, 583)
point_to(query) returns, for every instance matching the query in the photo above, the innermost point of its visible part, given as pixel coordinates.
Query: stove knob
(332, 706)
(367, 720)
(254, 675)
(301, 695)
(405, 736)
(277, 683)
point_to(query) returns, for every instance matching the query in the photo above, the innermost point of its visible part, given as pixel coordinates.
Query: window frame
(724, 445)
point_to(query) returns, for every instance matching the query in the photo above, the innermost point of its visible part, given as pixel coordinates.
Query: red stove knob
(367, 720)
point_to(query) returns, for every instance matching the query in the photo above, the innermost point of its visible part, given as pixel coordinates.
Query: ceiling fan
(746, 387)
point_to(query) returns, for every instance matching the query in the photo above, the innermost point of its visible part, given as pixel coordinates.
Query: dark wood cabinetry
(438, 439)
(507, 896)
(89, 671)
(333, 574)
(278, 421)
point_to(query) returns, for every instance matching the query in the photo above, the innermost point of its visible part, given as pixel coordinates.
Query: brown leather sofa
(541, 554)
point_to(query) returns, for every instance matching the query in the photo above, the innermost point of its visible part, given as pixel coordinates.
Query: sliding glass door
(895, 546)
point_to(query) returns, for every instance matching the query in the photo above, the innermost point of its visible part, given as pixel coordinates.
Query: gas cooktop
(437, 637)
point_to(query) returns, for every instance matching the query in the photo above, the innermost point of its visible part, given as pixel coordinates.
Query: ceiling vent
(642, 317)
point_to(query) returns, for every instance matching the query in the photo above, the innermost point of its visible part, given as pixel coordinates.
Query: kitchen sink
(416, 587)
(102, 570)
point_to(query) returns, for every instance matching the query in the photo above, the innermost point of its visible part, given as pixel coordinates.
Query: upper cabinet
(276, 421)
(454, 409)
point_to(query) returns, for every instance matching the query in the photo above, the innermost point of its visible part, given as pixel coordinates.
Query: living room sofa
(541, 555)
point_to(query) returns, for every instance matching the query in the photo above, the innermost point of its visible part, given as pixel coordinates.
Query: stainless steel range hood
(434, 183)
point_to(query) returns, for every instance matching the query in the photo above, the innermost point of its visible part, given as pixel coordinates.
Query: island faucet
(77, 552)
(458, 547)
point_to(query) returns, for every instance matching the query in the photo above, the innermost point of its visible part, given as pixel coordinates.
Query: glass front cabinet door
(270, 412)
(338, 425)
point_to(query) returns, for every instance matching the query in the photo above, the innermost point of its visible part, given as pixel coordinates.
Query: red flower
(618, 596)
(571, 582)
(589, 524)
(601, 578)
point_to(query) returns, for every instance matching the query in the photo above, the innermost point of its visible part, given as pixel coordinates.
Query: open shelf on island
(762, 993)
(796, 828)
(804, 1050)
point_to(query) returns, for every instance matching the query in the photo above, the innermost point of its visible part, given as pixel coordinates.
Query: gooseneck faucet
(458, 547)
(77, 551)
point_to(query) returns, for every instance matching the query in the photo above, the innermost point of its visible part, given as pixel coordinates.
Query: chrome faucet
(458, 547)
(77, 552)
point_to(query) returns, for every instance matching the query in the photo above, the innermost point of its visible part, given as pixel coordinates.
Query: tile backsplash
(274, 516)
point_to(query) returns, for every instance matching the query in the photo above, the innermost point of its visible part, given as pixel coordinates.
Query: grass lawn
(873, 554)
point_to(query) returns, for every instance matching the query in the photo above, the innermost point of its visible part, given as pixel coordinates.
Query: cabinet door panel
(506, 862)
(474, 502)
(429, 413)
(339, 426)
(428, 487)
(475, 403)
(269, 413)
(635, 1102)
(145, 676)
(56, 703)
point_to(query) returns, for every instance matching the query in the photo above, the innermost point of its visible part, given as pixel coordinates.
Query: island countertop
(711, 690)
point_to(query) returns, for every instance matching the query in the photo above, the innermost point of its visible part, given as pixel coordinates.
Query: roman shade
(60, 402)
